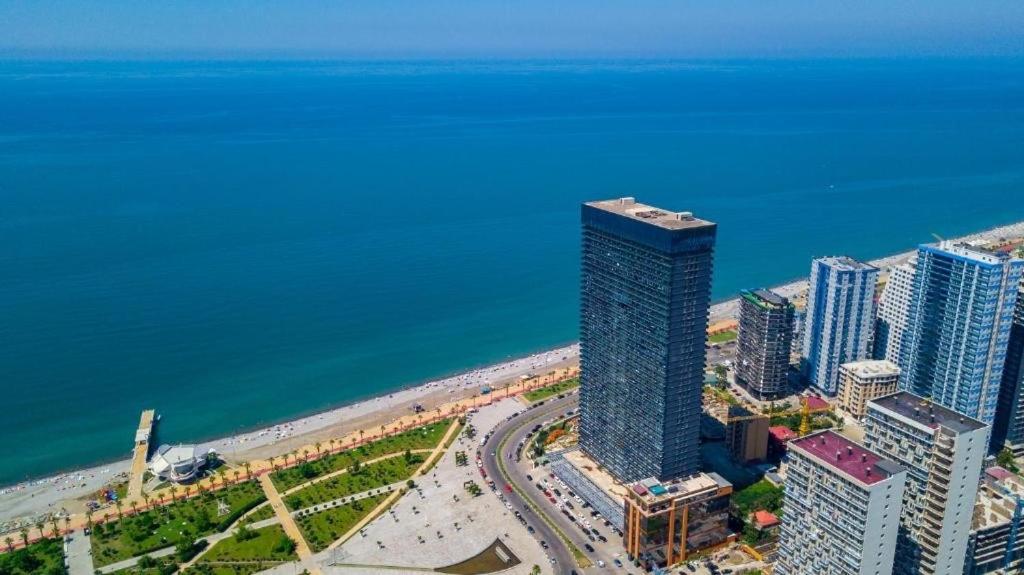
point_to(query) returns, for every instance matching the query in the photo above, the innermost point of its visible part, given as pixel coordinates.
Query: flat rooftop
(666, 219)
(651, 490)
(872, 368)
(926, 413)
(596, 474)
(997, 501)
(970, 252)
(846, 263)
(765, 298)
(842, 454)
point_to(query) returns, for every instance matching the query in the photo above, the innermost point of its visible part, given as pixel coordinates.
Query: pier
(141, 452)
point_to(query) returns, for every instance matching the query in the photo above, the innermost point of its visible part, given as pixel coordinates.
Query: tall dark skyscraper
(645, 294)
(765, 341)
(1008, 427)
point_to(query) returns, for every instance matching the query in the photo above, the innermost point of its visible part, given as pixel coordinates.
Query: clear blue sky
(512, 28)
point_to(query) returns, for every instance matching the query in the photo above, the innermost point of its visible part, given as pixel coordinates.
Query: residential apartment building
(764, 343)
(840, 512)
(893, 309)
(958, 326)
(862, 381)
(839, 319)
(996, 543)
(645, 294)
(943, 452)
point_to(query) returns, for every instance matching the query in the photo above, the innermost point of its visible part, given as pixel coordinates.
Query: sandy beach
(22, 503)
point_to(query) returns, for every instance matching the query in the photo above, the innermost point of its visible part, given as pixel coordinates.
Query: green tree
(1005, 459)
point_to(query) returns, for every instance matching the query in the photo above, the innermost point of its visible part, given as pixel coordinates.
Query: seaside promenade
(261, 468)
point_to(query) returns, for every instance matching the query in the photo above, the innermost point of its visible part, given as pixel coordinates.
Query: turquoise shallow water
(238, 243)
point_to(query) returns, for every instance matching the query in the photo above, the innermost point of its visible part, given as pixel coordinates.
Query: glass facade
(764, 343)
(958, 327)
(1008, 428)
(645, 295)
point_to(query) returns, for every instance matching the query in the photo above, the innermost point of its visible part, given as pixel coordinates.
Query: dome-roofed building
(178, 463)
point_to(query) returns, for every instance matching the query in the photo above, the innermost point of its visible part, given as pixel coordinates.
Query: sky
(511, 28)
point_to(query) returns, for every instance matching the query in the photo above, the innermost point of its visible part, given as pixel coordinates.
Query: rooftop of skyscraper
(630, 208)
(971, 252)
(843, 454)
(927, 413)
(765, 298)
(846, 263)
(869, 368)
(651, 490)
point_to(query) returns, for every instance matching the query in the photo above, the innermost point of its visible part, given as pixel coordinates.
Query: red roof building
(764, 519)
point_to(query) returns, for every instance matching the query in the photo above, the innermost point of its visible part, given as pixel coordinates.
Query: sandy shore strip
(22, 503)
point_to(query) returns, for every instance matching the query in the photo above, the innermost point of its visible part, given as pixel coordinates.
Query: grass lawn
(266, 544)
(722, 337)
(45, 557)
(323, 528)
(423, 437)
(554, 389)
(264, 512)
(761, 495)
(165, 526)
(161, 566)
(370, 476)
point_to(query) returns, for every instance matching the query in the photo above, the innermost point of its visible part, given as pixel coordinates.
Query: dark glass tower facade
(1008, 427)
(645, 294)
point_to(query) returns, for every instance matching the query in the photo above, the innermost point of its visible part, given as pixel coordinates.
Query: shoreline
(60, 491)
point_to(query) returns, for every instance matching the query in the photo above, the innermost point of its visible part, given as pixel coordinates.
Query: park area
(552, 390)
(171, 525)
(322, 528)
(424, 437)
(45, 557)
(357, 479)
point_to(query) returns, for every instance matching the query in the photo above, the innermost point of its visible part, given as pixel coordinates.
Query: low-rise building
(666, 522)
(746, 433)
(862, 381)
(178, 463)
(996, 543)
(778, 437)
(840, 512)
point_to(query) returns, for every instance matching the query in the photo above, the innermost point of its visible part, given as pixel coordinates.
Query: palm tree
(10, 544)
(188, 491)
(39, 527)
(273, 462)
(332, 442)
(237, 474)
(382, 431)
(88, 518)
(221, 472)
(305, 455)
(145, 497)
(438, 410)
(135, 507)
(119, 505)
(248, 470)
(174, 493)
(420, 417)
(361, 432)
(24, 536)
(56, 530)
(317, 445)
(67, 523)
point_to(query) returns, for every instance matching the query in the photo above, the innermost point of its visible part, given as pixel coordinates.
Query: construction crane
(805, 417)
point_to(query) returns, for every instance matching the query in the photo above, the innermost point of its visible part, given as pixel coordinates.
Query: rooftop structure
(650, 215)
(927, 413)
(846, 456)
(644, 298)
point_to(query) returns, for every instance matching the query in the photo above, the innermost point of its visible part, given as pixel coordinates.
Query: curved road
(506, 437)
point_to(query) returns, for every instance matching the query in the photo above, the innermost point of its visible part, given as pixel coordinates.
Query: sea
(237, 243)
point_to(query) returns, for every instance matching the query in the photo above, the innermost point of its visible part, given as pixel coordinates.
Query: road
(506, 437)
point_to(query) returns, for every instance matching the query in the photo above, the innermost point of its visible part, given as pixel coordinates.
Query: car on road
(618, 563)
(543, 543)
(588, 547)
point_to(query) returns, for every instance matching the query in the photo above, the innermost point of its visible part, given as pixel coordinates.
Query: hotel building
(862, 381)
(645, 294)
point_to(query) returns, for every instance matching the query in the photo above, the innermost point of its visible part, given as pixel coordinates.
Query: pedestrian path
(290, 528)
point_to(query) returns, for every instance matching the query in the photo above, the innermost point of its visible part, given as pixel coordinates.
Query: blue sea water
(236, 243)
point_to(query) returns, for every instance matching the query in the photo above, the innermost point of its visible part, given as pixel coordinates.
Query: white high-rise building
(893, 306)
(841, 509)
(943, 452)
(839, 319)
